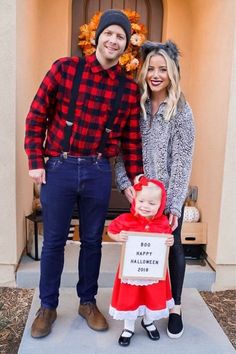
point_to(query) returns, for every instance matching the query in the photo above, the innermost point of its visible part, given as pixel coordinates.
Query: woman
(167, 131)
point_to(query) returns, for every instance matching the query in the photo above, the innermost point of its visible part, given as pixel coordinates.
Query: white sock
(128, 324)
(147, 321)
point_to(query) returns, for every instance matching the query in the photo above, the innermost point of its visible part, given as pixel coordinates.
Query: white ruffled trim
(139, 282)
(141, 311)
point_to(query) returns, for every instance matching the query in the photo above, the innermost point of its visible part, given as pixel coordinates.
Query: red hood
(163, 201)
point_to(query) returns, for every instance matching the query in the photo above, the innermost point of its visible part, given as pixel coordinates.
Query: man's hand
(173, 221)
(38, 175)
(129, 193)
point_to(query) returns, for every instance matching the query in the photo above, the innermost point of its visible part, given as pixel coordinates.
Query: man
(79, 174)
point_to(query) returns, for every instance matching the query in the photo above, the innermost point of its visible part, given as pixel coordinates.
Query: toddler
(147, 298)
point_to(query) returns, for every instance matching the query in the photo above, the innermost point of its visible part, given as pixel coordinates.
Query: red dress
(131, 301)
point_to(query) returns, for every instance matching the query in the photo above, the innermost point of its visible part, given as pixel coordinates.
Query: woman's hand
(129, 193)
(173, 221)
(170, 240)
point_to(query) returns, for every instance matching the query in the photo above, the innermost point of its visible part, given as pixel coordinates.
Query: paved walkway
(70, 334)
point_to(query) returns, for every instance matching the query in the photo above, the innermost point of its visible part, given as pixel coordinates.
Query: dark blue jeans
(87, 181)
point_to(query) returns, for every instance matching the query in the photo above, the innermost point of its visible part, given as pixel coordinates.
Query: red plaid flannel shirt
(46, 120)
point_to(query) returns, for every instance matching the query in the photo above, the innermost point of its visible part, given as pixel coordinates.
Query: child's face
(147, 202)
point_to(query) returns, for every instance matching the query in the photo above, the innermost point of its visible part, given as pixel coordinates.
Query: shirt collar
(96, 67)
(148, 106)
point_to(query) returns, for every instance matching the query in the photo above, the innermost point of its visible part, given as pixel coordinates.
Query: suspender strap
(109, 124)
(72, 104)
(71, 110)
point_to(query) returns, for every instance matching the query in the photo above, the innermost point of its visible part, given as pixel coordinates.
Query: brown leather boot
(42, 324)
(93, 316)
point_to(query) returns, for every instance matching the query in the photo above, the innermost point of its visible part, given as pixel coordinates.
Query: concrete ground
(71, 335)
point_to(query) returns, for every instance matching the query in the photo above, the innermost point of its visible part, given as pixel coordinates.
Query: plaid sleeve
(131, 145)
(36, 120)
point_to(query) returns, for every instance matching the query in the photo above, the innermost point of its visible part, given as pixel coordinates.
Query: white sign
(144, 256)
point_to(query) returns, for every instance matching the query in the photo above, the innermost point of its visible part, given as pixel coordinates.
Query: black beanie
(114, 17)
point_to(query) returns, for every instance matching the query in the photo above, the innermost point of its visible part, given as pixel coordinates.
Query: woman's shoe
(125, 341)
(175, 327)
(154, 334)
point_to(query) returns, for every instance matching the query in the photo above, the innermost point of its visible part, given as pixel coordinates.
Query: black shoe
(125, 341)
(153, 335)
(175, 327)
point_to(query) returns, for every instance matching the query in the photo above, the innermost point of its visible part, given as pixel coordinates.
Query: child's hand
(170, 240)
(122, 236)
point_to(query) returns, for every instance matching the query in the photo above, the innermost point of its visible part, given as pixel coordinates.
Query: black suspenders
(71, 111)
(115, 107)
(72, 104)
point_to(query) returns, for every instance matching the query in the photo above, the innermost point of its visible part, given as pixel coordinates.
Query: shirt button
(147, 227)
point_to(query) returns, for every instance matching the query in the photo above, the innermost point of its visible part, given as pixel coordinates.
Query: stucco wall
(205, 33)
(32, 35)
(177, 26)
(194, 25)
(226, 250)
(42, 37)
(54, 29)
(212, 54)
(7, 140)
(26, 74)
(204, 30)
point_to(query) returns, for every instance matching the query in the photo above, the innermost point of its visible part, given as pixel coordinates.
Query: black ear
(172, 50)
(148, 47)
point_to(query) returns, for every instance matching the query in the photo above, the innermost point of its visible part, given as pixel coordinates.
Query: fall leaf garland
(130, 59)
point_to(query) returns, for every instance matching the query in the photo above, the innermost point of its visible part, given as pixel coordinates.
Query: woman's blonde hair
(173, 91)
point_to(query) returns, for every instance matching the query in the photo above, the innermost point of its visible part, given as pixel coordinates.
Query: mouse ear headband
(169, 47)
